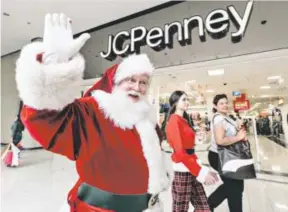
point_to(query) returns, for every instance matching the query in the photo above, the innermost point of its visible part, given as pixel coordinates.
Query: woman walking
(189, 174)
(224, 132)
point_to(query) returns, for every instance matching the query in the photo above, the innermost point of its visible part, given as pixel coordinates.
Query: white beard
(121, 109)
(125, 103)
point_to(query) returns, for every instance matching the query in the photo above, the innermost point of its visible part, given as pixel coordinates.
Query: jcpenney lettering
(217, 25)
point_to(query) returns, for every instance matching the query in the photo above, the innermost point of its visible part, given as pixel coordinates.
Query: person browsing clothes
(189, 174)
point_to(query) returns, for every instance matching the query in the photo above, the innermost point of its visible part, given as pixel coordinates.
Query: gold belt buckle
(153, 200)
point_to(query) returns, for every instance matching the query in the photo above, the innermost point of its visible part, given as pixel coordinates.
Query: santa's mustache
(134, 93)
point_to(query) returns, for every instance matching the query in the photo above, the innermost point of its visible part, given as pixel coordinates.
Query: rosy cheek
(127, 88)
(143, 91)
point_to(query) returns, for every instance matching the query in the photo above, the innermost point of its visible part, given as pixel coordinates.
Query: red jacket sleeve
(175, 138)
(61, 132)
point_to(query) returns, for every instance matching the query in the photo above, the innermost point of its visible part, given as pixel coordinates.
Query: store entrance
(257, 88)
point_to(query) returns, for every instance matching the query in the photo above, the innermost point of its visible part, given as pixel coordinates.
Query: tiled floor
(41, 183)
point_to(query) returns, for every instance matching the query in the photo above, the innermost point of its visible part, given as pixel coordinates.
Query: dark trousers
(17, 137)
(230, 189)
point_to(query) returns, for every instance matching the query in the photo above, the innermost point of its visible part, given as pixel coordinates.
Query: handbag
(10, 156)
(236, 160)
(7, 156)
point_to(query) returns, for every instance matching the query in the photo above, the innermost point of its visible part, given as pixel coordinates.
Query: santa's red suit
(116, 148)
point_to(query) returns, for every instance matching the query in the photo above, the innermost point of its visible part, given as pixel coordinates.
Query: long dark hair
(173, 100)
(216, 99)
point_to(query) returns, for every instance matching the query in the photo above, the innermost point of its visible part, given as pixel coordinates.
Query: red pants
(80, 206)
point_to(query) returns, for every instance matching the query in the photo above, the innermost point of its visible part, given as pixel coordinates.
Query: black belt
(115, 202)
(190, 151)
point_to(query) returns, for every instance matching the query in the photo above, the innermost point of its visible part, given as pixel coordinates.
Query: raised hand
(58, 41)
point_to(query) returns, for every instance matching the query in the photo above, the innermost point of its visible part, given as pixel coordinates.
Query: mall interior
(252, 71)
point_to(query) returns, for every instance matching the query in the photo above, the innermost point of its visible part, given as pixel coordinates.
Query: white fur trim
(202, 174)
(179, 167)
(152, 115)
(133, 65)
(158, 179)
(168, 165)
(44, 86)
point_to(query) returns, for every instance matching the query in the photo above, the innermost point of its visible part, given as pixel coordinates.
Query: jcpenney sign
(216, 24)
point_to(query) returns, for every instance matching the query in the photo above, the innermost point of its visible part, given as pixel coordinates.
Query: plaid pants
(185, 189)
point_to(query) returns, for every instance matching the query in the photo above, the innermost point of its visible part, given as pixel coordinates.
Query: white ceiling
(25, 20)
(244, 73)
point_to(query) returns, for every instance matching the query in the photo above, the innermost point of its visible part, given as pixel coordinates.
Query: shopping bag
(7, 156)
(11, 156)
(236, 160)
(7, 160)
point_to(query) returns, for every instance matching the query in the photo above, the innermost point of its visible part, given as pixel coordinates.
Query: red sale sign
(241, 105)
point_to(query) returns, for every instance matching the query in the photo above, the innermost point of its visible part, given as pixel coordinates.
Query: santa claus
(111, 133)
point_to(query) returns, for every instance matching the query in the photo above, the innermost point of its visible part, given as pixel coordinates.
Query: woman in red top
(189, 174)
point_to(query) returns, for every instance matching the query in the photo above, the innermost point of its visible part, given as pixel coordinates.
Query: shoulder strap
(214, 118)
(231, 123)
(225, 120)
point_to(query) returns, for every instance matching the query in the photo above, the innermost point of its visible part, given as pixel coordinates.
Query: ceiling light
(190, 82)
(209, 91)
(265, 87)
(273, 77)
(282, 206)
(264, 96)
(216, 72)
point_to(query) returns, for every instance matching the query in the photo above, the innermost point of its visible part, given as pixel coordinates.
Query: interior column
(284, 112)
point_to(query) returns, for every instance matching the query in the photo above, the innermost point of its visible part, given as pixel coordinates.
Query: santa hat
(132, 65)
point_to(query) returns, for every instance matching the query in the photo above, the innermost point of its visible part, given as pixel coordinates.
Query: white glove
(58, 41)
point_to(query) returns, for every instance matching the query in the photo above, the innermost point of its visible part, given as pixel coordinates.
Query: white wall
(9, 96)
(10, 101)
